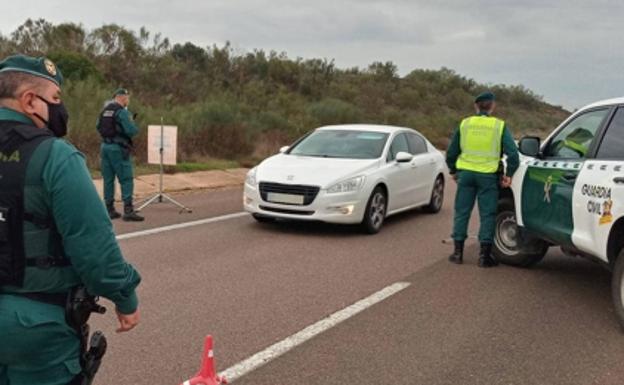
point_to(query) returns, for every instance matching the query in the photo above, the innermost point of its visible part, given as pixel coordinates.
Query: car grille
(309, 192)
(284, 211)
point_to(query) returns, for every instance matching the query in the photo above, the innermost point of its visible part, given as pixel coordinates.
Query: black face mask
(57, 118)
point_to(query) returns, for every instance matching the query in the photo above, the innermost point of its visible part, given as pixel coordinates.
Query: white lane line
(157, 230)
(276, 350)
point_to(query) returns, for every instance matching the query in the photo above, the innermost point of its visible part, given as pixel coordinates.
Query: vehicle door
(424, 169)
(599, 191)
(549, 182)
(399, 175)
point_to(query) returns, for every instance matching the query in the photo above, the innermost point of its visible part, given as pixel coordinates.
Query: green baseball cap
(37, 66)
(485, 97)
(121, 91)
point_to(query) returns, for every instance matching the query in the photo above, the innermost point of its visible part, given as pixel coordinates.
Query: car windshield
(342, 144)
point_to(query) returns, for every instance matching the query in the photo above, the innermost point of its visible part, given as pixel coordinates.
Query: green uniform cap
(37, 66)
(121, 91)
(485, 97)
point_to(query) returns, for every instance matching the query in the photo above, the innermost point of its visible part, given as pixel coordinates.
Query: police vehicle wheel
(617, 288)
(437, 196)
(511, 247)
(375, 212)
(263, 218)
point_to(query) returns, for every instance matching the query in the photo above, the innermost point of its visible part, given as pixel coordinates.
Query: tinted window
(399, 144)
(573, 141)
(342, 144)
(612, 146)
(417, 144)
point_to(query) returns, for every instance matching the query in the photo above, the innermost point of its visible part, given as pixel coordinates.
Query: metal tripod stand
(161, 196)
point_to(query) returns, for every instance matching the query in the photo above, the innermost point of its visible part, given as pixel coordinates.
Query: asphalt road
(252, 285)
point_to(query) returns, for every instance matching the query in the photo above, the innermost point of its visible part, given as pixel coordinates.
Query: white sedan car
(349, 174)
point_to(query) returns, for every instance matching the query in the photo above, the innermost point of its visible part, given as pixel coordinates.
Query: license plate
(285, 198)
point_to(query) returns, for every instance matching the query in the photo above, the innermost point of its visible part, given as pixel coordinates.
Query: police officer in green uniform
(55, 234)
(474, 159)
(116, 126)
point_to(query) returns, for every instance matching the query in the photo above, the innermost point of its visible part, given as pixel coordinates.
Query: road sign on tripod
(162, 143)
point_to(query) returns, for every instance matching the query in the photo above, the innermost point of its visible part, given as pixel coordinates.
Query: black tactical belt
(58, 299)
(47, 262)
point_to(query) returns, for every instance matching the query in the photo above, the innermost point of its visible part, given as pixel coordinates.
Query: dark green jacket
(66, 192)
(509, 148)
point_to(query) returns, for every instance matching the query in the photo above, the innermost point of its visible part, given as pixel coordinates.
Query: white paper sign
(169, 144)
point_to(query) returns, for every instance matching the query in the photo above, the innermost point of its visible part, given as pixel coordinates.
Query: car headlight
(349, 185)
(250, 179)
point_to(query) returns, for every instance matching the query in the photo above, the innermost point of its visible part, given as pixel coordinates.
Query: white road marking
(184, 225)
(279, 348)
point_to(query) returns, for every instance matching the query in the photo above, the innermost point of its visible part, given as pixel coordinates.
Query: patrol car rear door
(548, 185)
(600, 184)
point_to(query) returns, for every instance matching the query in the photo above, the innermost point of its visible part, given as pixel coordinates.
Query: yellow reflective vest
(481, 144)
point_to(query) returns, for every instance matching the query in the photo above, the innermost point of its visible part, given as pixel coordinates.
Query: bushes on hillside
(246, 105)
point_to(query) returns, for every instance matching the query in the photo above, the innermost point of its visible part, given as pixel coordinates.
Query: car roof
(606, 102)
(365, 127)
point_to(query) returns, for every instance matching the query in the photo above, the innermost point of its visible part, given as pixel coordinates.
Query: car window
(417, 144)
(574, 140)
(342, 144)
(399, 144)
(612, 146)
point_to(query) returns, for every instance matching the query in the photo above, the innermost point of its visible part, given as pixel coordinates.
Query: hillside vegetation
(243, 106)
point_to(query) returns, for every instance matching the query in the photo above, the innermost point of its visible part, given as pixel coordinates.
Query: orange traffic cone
(207, 374)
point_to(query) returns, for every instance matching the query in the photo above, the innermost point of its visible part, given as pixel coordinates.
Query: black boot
(458, 255)
(130, 215)
(485, 257)
(112, 213)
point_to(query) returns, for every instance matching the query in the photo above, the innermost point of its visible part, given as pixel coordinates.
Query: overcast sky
(568, 51)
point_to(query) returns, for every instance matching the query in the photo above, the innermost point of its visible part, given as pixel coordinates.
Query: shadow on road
(334, 230)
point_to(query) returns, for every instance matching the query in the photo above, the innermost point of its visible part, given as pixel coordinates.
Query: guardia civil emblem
(50, 67)
(606, 217)
(547, 188)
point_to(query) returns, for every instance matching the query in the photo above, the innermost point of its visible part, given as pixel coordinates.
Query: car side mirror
(284, 149)
(530, 146)
(404, 157)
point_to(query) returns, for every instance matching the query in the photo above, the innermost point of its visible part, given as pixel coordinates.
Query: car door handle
(569, 177)
(618, 180)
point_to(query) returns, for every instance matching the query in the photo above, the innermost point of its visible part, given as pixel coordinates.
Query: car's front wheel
(511, 245)
(375, 212)
(617, 288)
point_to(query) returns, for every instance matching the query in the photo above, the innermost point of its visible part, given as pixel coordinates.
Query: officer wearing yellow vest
(116, 126)
(474, 159)
(56, 239)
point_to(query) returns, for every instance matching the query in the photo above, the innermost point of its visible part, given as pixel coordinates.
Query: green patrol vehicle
(569, 192)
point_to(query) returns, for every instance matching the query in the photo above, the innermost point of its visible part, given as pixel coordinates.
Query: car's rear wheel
(375, 212)
(437, 196)
(511, 245)
(263, 218)
(617, 288)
